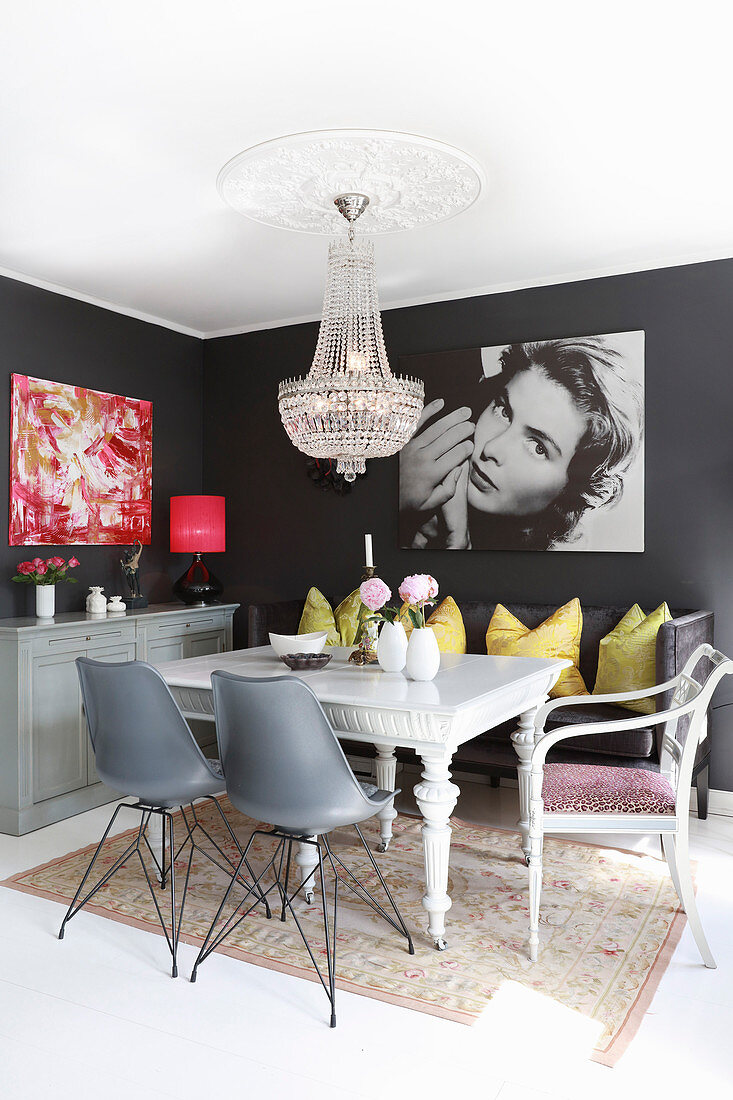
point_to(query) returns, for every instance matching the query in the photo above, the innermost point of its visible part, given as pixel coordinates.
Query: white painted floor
(99, 1016)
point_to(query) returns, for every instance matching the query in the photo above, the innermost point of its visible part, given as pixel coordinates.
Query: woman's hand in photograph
(455, 513)
(426, 535)
(428, 463)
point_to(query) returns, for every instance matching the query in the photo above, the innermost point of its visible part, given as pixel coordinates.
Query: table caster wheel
(309, 895)
(440, 944)
(383, 846)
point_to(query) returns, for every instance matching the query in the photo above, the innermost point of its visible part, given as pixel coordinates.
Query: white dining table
(471, 693)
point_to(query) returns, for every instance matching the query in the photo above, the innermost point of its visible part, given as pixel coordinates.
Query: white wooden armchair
(573, 798)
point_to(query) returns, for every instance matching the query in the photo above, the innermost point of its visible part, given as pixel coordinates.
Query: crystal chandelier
(350, 406)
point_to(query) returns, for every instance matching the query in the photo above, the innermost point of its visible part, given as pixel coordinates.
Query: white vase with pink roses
(423, 656)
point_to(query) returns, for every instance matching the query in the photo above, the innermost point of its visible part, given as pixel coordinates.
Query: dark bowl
(300, 662)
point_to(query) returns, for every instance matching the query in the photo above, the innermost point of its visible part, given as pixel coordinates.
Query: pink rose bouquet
(418, 592)
(51, 571)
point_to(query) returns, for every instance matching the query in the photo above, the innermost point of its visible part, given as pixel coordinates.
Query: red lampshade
(197, 525)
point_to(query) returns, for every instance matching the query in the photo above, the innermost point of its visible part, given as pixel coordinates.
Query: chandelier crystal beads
(350, 406)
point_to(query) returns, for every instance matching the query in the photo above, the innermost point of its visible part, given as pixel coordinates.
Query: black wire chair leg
(158, 910)
(233, 920)
(204, 950)
(229, 867)
(330, 988)
(172, 872)
(154, 857)
(330, 951)
(163, 872)
(287, 876)
(387, 891)
(227, 826)
(71, 911)
(357, 887)
(159, 864)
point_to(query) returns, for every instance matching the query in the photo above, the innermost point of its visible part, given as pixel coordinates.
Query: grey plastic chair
(144, 748)
(283, 765)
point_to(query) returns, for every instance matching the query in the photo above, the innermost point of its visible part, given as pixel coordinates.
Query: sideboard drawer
(87, 637)
(201, 622)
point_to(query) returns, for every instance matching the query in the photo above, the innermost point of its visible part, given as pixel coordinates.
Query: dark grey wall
(50, 336)
(284, 534)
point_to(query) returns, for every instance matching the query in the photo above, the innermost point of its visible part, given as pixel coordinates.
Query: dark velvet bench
(492, 753)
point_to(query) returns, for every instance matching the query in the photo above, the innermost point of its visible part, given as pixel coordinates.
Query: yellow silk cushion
(558, 636)
(341, 624)
(318, 615)
(447, 624)
(347, 617)
(627, 657)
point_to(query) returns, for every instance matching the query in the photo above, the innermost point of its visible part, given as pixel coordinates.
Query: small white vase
(392, 647)
(96, 601)
(45, 600)
(423, 655)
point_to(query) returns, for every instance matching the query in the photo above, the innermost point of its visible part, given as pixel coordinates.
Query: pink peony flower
(418, 588)
(25, 567)
(41, 568)
(36, 562)
(57, 563)
(73, 562)
(374, 593)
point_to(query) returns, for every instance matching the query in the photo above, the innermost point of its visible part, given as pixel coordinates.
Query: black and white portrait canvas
(531, 446)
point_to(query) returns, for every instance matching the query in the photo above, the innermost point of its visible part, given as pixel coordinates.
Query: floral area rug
(610, 922)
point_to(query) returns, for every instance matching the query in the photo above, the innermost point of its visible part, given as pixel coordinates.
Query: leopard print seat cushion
(591, 788)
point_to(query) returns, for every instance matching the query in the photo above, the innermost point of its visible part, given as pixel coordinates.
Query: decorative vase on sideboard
(45, 601)
(96, 601)
(392, 647)
(423, 655)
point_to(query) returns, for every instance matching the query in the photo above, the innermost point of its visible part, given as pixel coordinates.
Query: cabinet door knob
(187, 625)
(88, 638)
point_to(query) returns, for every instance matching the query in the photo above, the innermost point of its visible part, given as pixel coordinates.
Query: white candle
(368, 559)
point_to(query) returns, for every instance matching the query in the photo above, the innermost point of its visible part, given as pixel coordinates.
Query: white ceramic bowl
(298, 643)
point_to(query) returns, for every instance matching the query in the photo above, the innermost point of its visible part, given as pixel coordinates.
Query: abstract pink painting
(80, 465)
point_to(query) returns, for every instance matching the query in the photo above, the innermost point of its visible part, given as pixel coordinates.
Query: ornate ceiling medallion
(292, 182)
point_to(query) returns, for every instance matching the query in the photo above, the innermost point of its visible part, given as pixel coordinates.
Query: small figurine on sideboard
(130, 562)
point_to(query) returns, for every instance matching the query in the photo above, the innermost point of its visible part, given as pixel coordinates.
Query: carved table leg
(307, 860)
(523, 741)
(436, 796)
(386, 768)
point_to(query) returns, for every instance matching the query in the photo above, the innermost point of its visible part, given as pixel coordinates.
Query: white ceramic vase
(392, 647)
(96, 601)
(423, 655)
(45, 600)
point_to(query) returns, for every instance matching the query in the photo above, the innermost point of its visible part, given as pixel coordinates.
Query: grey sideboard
(46, 763)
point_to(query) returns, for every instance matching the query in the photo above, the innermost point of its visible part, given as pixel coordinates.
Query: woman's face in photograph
(523, 445)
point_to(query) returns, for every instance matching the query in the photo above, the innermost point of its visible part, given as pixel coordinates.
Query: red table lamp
(197, 527)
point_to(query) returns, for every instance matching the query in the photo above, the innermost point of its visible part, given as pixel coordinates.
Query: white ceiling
(603, 129)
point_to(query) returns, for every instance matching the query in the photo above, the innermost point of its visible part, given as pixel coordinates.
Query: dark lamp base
(198, 585)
